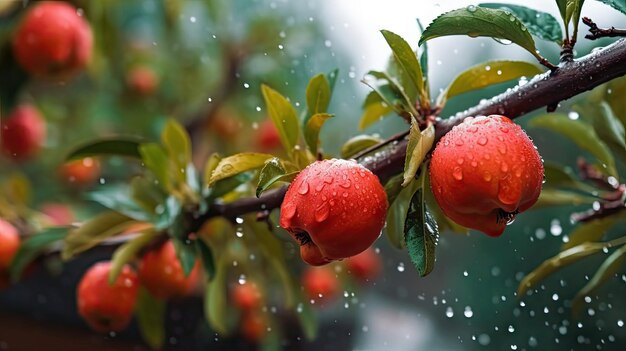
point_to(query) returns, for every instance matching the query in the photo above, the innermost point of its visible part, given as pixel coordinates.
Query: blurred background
(207, 60)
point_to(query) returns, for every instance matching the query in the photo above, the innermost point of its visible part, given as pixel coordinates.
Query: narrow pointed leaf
(540, 24)
(357, 144)
(186, 253)
(399, 199)
(480, 22)
(284, 117)
(209, 167)
(94, 231)
(177, 144)
(591, 231)
(215, 304)
(128, 251)
(107, 147)
(610, 129)
(486, 74)
(619, 5)
(557, 197)
(206, 257)
(423, 55)
(373, 113)
(238, 163)
(150, 313)
(119, 198)
(558, 176)
(390, 92)
(272, 172)
(156, 160)
(580, 133)
(418, 146)
(312, 130)
(551, 265)
(318, 94)
(420, 234)
(406, 58)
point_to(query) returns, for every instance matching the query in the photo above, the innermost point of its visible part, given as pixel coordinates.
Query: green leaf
(31, 248)
(562, 4)
(209, 167)
(539, 24)
(418, 146)
(94, 231)
(574, 8)
(150, 313)
(284, 117)
(481, 22)
(486, 74)
(238, 163)
(178, 147)
(107, 147)
(374, 110)
(146, 194)
(406, 59)
(423, 56)
(357, 144)
(128, 251)
(318, 95)
(420, 233)
(609, 268)
(619, 5)
(225, 186)
(553, 264)
(312, 130)
(389, 92)
(332, 79)
(215, 302)
(590, 231)
(186, 253)
(558, 176)
(119, 198)
(273, 172)
(556, 197)
(610, 129)
(156, 160)
(399, 199)
(206, 257)
(581, 134)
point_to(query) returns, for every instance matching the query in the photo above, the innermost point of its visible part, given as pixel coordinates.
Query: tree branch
(596, 33)
(548, 89)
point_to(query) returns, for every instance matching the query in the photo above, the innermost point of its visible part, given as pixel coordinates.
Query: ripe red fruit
(81, 172)
(484, 172)
(9, 244)
(161, 273)
(268, 138)
(58, 214)
(142, 80)
(320, 283)
(253, 326)
(52, 40)
(334, 209)
(364, 266)
(23, 133)
(107, 307)
(246, 296)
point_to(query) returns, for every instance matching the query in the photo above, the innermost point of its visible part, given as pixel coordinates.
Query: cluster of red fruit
(109, 307)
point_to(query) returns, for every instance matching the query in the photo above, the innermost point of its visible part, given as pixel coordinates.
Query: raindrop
(471, 8)
(511, 329)
(457, 173)
(465, 274)
(620, 323)
(482, 141)
(484, 339)
(555, 228)
(239, 220)
(555, 297)
(242, 279)
(400, 267)
(468, 312)
(304, 188)
(460, 160)
(504, 129)
(289, 210)
(573, 115)
(504, 167)
(321, 213)
(487, 176)
(458, 142)
(449, 312)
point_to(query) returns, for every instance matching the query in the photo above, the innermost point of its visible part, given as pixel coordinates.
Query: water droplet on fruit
(328, 179)
(457, 173)
(304, 188)
(487, 157)
(460, 160)
(487, 176)
(458, 142)
(504, 167)
(474, 163)
(321, 213)
(344, 194)
(319, 187)
(472, 129)
(482, 141)
(504, 129)
(500, 138)
(502, 149)
(345, 184)
(289, 211)
(518, 172)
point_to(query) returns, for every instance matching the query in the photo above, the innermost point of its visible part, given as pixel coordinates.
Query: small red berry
(484, 172)
(161, 273)
(246, 296)
(23, 133)
(334, 209)
(9, 244)
(320, 283)
(268, 138)
(364, 266)
(81, 172)
(52, 40)
(107, 307)
(142, 80)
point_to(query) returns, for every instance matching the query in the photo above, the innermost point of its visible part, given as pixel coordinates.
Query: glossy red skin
(246, 296)
(9, 244)
(268, 138)
(340, 205)
(253, 326)
(161, 273)
(107, 307)
(320, 283)
(23, 133)
(482, 166)
(59, 214)
(52, 40)
(142, 80)
(81, 172)
(364, 266)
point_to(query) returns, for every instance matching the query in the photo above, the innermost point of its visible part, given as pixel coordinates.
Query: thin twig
(596, 33)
